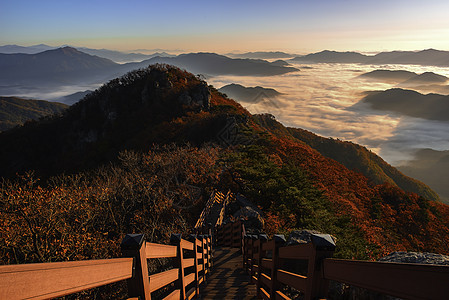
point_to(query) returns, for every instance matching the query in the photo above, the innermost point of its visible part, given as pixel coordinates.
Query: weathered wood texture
(49, 280)
(408, 281)
(228, 279)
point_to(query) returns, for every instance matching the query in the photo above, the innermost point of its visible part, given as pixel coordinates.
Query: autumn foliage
(151, 170)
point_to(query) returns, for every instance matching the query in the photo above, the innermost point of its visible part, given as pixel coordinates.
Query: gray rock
(185, 99)
(201, 96)
(301, 237)
(252, 218)
(416, 258)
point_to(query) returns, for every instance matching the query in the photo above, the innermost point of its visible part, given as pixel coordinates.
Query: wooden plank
(49, 280)
(296, 281)
(189, 262)
(199, 267)
(264, 294)
(267, 263)
(268, 245)
(175, 295)
(409, 281)
(301, 251)
(191, 293)
(198, 243)
(159, 250)
(281, 296)
(265, 279)
(186, 245)
(162, 279)
(189, 279)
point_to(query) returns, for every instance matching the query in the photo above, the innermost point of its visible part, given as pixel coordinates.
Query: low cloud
(321, 99)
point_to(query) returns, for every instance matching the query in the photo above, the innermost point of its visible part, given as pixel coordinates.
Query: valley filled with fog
(322, 98)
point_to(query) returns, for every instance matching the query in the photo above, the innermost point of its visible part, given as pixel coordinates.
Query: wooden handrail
(409, 281)
(188, 254)
(404, 280)
(49, 280)
(265, 261)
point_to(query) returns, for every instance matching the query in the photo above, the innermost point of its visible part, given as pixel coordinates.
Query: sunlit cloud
(320, 98)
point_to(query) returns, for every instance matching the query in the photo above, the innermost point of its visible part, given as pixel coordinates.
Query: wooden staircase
(224, 262)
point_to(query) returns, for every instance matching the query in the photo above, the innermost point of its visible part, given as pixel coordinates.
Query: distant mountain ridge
(262, 55)
(61, 65)
(16, 111)
(12, 49)
(410, 103)
(116, 56)
(215, 64)
(248, 94)
(68, 66)
(429, 57)
(328, 56)
(389, 75)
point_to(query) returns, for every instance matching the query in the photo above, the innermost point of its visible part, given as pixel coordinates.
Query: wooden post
(245, 253)
(204, 256)
(262, 239)
(255, 259)
(133, 245)
(317, 285)
(176, 240)
(196, 245)
(209, 239)
(279, 240)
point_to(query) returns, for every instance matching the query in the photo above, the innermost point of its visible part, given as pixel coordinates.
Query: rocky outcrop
(251, 217)
(416, 258)
(198, 97)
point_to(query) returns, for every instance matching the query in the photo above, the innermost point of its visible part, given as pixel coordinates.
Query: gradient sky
(221, 26)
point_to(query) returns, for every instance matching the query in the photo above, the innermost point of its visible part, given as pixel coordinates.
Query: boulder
(252, 218)
(303, 236)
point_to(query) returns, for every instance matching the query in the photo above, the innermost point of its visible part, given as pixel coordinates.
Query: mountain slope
(215, 64)
(261, 55)
(426, 78)
(410, 103)
(9, 49)
(120, 57)
(327, 56)
(430, 166)
(106, 137)
(16, 111)
(248, 94)
(390, 75)
(115, 117)
(360, 159)
(60, 65)
(429, 57)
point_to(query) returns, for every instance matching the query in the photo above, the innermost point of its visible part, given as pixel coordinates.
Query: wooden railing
(193, 260)
(191, 266)
(230, 234)
(280, 271)
(49, 280)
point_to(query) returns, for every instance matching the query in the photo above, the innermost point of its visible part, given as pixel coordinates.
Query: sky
(300, 26)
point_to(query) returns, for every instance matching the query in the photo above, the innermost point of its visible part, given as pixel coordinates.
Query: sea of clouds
(322, 97)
